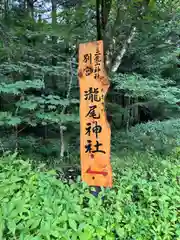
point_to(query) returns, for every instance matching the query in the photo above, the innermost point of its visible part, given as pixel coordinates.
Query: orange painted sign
(95, 131)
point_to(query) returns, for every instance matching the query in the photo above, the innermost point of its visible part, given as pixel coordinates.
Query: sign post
(95, 133)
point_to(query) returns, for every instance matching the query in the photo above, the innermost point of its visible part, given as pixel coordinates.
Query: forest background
(39, 90)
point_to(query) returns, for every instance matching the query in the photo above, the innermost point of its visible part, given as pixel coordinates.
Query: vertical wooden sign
(95, 132)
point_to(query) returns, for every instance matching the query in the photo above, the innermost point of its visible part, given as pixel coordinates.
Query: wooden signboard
(95, 131)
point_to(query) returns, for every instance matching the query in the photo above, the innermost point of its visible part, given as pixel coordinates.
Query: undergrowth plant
(143, 204)
(159, 136)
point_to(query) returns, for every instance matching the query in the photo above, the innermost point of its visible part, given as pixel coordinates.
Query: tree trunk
(54, 38)
(30, 8)
(119, 57)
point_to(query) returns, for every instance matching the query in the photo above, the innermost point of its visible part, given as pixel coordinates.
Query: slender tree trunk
(118, 59)
(6, 10)
(30, 8)
(61, 127)
(54, 38)
(98, 20)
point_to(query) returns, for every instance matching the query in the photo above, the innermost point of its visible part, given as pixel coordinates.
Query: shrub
(159, 137)
(142, 204)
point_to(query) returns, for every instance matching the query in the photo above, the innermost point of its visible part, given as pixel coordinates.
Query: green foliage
(32, 108)
(150, 88)
(39, 94)
(143, 203)
(18, 87)
(160, 137)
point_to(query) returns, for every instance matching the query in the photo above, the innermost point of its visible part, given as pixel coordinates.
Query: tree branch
(109, 42)
(120, 56)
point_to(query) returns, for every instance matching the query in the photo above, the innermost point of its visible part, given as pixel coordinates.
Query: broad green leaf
(73, 224)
